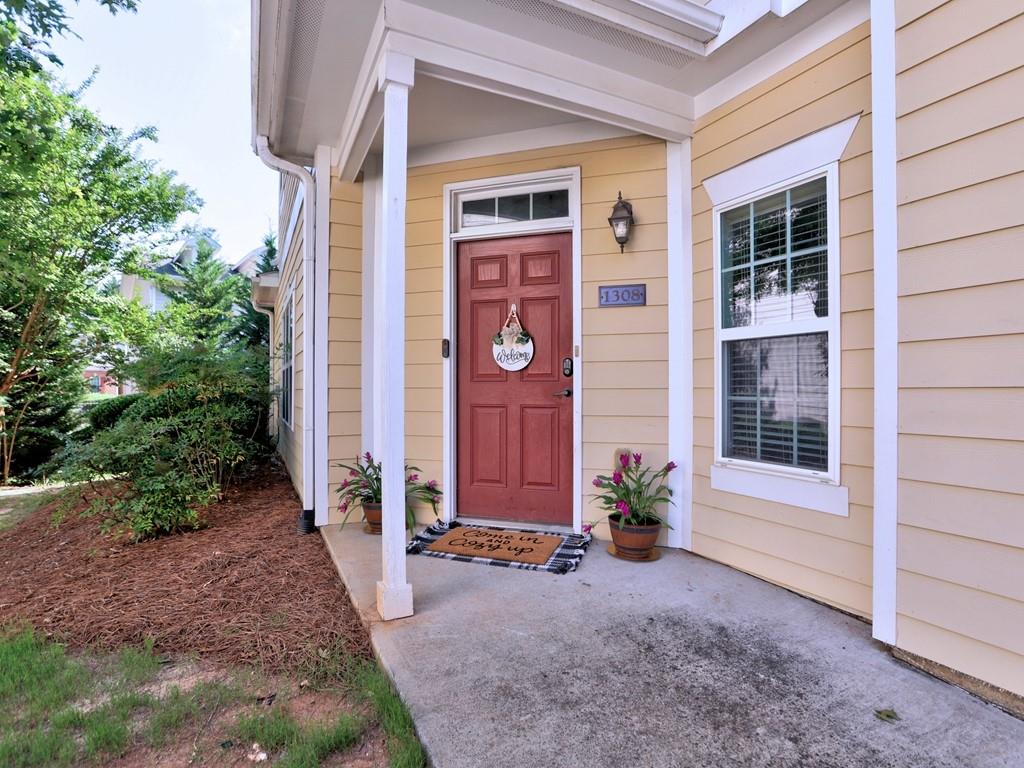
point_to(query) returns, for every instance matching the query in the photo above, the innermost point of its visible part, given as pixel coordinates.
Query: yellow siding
(625, 351)
(824, 556)
(344, 422)
(960, 75)
(289, 439)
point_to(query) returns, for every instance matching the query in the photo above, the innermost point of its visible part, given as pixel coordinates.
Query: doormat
(528, 550)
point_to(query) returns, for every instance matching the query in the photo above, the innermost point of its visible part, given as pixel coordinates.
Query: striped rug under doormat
(528, 550)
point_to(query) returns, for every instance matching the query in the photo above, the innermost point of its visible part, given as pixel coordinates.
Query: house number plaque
(622, 295)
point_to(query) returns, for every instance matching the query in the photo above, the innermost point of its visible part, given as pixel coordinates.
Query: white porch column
(394, 593)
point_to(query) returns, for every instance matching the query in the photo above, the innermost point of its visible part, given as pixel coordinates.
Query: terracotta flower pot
(633, 542)
(371, 512)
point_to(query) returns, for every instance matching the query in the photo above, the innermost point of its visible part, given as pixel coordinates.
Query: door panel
(514, 430)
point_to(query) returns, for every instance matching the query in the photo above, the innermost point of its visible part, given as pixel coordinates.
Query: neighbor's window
(528, 206)
(287, 359)
(776, 329)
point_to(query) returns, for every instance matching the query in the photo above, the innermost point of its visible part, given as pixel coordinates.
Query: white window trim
(521, 184)
(290, 364)
(811, 489)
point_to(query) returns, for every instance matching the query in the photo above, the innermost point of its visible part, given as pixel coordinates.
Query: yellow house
(818, 313)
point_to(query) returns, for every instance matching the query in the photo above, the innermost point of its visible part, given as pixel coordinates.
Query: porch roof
(639, 65)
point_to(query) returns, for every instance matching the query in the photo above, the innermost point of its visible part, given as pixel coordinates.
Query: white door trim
(570, 177)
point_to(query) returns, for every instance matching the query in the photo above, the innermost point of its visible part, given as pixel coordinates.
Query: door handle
(562, 393)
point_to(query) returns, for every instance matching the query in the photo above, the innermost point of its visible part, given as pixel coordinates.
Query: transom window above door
(511, 208)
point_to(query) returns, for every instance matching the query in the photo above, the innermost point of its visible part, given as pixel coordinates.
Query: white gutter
(309, 293)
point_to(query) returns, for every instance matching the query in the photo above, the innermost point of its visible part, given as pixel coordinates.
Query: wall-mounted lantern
(621, 222)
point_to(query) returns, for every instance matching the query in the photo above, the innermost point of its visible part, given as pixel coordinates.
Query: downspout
(307, 517)
(271, 428)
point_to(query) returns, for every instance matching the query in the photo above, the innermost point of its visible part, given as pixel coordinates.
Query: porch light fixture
(621, 222)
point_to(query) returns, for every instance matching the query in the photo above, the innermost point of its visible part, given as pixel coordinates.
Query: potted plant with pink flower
(632, 495)
(362, 488)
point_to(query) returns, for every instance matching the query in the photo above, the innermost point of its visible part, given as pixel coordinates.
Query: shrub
(181, 443)
(103, 414)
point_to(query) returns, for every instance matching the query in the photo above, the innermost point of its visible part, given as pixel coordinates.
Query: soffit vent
(306, 20)
(596, 29)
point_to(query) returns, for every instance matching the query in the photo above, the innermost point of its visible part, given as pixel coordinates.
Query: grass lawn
(136, 708)
(16, 507)
(190, 649)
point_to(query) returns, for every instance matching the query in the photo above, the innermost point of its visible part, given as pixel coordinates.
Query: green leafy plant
(176, 448)
(633, 492)
(363, 486)
(103, 414)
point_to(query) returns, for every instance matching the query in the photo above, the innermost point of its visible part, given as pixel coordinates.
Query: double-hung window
(776, 329)
(287, 347)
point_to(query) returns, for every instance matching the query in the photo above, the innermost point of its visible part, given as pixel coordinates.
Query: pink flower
(587, 527)
(617, 477)
(413, 478)
(344, 483)
(623, 508)
(624, 460)
(344, 508)
(670, 466)
(597, 482)
(352, 473)
(432, 484)
(367, 457)
(636, 458)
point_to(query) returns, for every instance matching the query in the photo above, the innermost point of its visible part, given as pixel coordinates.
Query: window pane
(808, 213)
(787, 260)
(477, 212)
(770, 219)
(771, 293)
(736, 298)
(810, 285)
(551, 205)
(776, 398)
(513, 208)
(735, 234)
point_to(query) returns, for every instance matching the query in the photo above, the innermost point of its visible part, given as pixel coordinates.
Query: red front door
(515, 428)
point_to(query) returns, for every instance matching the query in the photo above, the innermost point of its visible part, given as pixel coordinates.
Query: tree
(204, 294)
(77, 204)
(252, 328)
(26, 26)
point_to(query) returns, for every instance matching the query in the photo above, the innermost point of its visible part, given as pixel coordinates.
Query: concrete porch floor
(682, 662)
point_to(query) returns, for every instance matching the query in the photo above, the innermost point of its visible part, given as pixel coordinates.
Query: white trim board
(886, 316)
(792, 160)
(796, 492)
(576, 132)
(569, 177)
(679, 199)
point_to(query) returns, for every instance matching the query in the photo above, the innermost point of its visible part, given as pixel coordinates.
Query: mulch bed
(245, 589)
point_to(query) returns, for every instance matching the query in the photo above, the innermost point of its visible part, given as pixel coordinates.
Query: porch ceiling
(313, 62)
(441, 112)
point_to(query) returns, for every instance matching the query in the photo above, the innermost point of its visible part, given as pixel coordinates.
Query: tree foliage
(201, 419)
(27, 26)
(252, 327)
(77, 204)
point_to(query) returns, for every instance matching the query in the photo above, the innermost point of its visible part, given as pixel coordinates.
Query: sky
(183, 67)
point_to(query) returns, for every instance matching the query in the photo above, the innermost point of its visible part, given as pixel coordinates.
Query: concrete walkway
(682, 662)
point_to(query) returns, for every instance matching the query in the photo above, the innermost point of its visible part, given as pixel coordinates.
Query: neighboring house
(828, 227)
(147, 291)
(249, 264)
(100, 381)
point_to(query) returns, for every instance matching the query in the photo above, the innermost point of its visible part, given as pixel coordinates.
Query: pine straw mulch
(245, 589)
